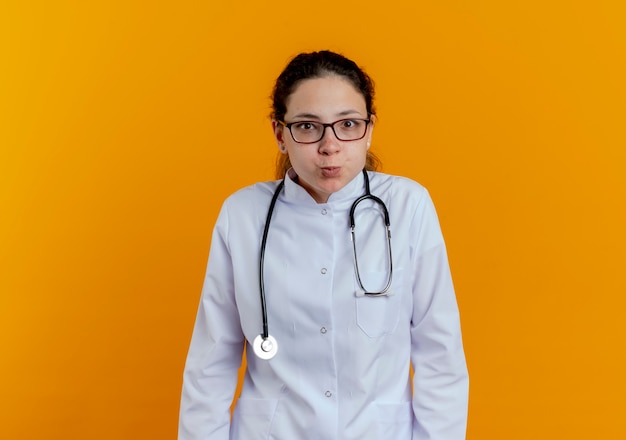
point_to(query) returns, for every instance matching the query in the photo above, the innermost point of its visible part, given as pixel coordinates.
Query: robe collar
(297, 194)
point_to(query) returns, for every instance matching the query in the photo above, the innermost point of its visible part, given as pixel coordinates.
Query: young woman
(335, 277)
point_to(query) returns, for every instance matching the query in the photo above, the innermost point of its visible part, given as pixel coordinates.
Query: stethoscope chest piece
(265, 348)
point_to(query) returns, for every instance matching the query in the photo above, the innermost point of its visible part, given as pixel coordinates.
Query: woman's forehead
(329, 95)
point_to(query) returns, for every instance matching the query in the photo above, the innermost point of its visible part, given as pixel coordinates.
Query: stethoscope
(265, 345)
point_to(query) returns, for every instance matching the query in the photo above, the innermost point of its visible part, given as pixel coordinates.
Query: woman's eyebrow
(348, 112)
(309, 116)
(314, 117)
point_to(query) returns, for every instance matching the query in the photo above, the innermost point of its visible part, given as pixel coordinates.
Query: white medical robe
(342, 367)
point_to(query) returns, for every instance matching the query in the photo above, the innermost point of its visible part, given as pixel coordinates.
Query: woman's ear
(278, 130)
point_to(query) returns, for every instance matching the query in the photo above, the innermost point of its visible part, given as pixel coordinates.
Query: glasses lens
(307, 132)
(350, 129)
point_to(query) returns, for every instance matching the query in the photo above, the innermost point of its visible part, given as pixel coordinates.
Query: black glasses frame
(324, 125)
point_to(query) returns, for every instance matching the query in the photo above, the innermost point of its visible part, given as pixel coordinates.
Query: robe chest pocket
(377, 316)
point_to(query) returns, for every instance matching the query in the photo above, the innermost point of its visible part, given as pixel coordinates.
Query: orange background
(123, 126)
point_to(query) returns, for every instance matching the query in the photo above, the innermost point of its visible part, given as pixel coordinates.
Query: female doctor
(335, 278)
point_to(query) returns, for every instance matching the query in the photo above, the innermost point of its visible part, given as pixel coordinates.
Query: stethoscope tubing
(262, 258)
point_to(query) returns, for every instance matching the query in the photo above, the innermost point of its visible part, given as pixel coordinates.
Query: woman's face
(326, 166)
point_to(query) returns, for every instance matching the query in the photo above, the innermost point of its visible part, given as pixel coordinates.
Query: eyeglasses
(309, 132)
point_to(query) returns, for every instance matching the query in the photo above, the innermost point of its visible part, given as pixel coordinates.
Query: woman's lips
(331, 171)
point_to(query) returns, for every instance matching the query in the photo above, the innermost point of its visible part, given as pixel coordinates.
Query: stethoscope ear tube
(368, 196)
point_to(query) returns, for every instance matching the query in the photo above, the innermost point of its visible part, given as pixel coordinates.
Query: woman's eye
(349, 123)
(305, 126)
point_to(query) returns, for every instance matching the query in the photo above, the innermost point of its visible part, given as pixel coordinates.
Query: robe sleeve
(440, 382)
(215, 353)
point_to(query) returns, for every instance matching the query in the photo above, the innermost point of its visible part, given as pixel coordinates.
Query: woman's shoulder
(249, 197)
(399, 185)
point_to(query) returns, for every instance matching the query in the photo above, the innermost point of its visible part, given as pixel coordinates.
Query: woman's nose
(329, 142)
